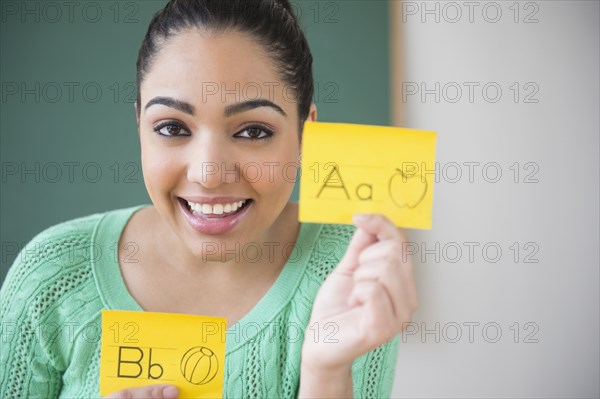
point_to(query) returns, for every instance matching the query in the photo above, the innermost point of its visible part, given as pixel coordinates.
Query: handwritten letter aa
(348, 169)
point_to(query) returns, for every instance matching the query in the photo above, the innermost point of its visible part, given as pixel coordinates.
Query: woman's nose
(211, 164)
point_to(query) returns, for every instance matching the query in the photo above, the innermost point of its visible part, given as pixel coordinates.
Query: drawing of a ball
(199, 365)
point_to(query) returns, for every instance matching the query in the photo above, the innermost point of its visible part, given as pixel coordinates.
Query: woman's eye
(254, 133)
(171, 129)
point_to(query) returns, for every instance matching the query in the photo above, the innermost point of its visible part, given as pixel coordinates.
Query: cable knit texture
(51, 302)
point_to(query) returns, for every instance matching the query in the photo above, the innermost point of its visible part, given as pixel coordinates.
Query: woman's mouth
(214, 217)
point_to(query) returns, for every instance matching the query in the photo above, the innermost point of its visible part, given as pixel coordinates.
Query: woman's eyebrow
(229, 110)
(173, 103)
(251, 104)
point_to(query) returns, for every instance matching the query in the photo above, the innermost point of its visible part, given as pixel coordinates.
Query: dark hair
(271, 22)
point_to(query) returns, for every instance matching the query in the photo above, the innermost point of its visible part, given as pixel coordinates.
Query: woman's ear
(312, 117)
(312, 113)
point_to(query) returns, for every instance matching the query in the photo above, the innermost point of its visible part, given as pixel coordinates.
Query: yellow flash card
(145, 348)
(349, 168)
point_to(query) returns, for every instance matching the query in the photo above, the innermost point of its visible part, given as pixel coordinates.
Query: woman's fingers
(386, 263)
(397, 280)
(378, 225)
(383, 278)
(157, 391)
(397, 284)
(387, 250)
(360, 240)
(388, 278)
(375, 320)
(372, 230)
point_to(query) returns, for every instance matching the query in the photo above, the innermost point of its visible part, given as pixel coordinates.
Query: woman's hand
(367, 298)
(156, 391)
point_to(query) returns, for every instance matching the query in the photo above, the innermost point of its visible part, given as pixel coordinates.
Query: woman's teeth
(215, 209)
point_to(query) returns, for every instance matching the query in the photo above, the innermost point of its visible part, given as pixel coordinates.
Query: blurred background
(508, 277)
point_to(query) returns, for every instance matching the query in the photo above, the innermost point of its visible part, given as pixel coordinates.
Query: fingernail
(360, 217)
(170, 392)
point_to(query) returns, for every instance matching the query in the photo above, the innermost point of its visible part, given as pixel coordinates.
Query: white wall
(558, 215)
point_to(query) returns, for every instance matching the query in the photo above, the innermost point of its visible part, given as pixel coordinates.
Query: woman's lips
(214, 223)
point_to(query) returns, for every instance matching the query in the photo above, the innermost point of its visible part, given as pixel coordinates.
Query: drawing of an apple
(407, 191)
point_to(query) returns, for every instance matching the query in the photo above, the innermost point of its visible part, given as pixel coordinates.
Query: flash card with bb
(145, 348)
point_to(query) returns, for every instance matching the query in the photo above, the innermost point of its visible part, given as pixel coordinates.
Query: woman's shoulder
(69, 235)
(61, 248)
(78, 226)
(82, 226)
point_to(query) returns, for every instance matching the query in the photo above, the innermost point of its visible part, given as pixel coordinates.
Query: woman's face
(219, 140)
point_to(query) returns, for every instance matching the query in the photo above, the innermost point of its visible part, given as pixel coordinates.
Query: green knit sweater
(51, 301)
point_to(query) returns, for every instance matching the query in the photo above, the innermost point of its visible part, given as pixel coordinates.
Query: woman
(224, 88)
